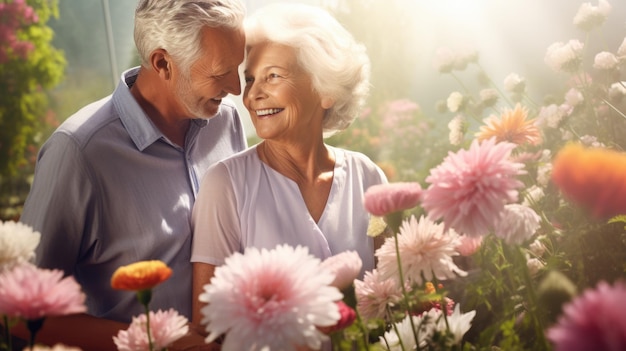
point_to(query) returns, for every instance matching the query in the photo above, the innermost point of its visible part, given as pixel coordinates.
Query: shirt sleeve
(215, 219)
(59, 204)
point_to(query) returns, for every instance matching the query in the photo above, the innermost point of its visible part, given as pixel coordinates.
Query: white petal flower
(565, 57)
(589, 16)
(517, 224)
(454, 101)
(457, 130)
(17, 243)
(459, 323)
(165, 328)
(605, 61)
(573, 97)
(404, 338)
(513, 83)
(272, 299)
(426, 250)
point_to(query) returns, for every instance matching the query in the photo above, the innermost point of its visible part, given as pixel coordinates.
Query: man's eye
(248, 80)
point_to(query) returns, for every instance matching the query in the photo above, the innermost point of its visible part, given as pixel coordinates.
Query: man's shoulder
(89, 119)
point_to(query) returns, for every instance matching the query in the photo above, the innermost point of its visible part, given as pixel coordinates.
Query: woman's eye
(273, 75)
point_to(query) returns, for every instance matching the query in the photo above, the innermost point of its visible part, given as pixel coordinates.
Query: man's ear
(161, 63)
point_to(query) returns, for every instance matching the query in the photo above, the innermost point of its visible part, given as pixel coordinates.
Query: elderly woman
(306, 78)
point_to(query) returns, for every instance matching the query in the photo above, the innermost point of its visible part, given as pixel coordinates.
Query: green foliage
(23, 100)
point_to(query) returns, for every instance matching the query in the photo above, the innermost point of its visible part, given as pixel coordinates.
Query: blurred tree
(29, 66)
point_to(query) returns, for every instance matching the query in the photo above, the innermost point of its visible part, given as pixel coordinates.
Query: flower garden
(507, 233)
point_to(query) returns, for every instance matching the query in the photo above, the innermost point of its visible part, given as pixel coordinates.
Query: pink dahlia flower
(345, 266)
(468, 245)
(165, 328)
(32, 293)
(426, 250)
(592, 321)
(383, 199)
(374, 293)
(470, 188)
(273, 299)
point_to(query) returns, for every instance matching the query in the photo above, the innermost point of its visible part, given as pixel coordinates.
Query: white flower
(564, 57)
(591, 141)
(426, 250)
(464, 57)
(537, 248)
(376, 226)
(514, 83)
(454, 101)
(17, 243)
(551, 115)
(457, 130)
(375, 293)
(444, 60)
(573, 97)
(533, 195)
(345, 266)
(617, 90)
(165, 328)
(589, 16)
(404, 338)
(459, 323)
(534, 265)
(543, 174)
(272, 299)
(605, 61)
(488, 97)
(517, 224)
(426, 325)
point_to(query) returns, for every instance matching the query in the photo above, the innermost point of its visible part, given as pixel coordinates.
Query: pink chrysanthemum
(165, 328)
(468, 245)
(426, 250)
(345, 266)
(272, 299)
(470, 188)
(517, 224)
(592, 321)
(31, 293)
(383, 199)
(374, 294)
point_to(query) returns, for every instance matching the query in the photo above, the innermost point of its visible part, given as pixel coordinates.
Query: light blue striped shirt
(110, 190)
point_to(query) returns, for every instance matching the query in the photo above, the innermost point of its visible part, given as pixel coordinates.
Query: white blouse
(243, 202)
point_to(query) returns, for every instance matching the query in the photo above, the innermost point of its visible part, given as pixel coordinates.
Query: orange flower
(594, 178)
(512, 126)
(141, 275)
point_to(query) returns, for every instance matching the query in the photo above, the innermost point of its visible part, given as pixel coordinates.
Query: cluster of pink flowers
(14, 15)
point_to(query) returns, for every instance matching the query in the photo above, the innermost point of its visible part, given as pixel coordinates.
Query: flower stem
(144, 297)
(7, 332)
(34, 325)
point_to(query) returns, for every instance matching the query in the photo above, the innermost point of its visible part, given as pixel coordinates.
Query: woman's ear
(327, 102)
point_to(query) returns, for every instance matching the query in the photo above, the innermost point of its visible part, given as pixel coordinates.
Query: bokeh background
(82, 47)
